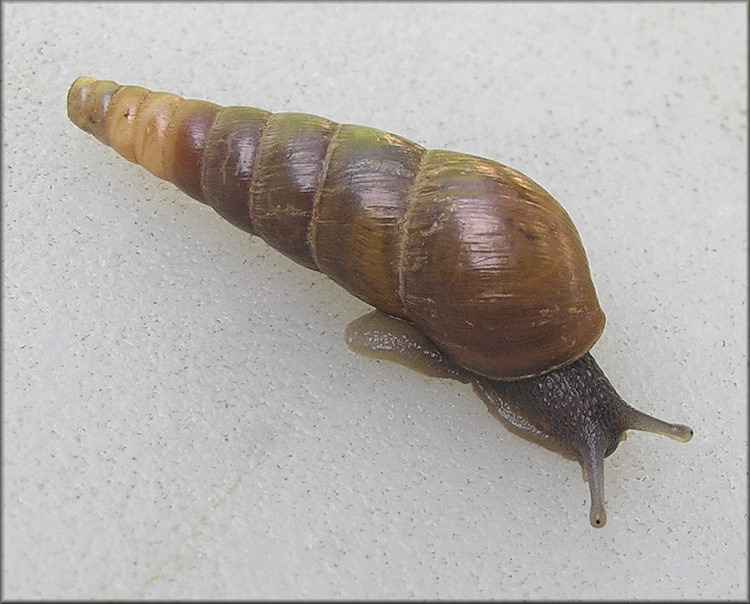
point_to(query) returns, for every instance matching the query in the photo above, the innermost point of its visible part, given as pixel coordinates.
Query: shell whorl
(484, 261)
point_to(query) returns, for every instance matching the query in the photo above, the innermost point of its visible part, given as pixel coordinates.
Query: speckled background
(181, 417)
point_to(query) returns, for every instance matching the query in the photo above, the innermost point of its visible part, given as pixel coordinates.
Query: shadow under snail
(476, 272)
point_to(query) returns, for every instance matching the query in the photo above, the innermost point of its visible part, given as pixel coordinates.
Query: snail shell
(482, 259)
(472, 263)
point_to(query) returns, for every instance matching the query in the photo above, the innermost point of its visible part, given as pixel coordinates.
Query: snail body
(470, 262)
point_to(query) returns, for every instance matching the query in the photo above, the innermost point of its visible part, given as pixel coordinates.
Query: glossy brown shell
(479, 257)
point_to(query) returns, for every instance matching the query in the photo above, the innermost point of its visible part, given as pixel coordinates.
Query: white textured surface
(181, 416)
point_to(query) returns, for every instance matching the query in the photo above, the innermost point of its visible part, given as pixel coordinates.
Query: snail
(476, 273)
